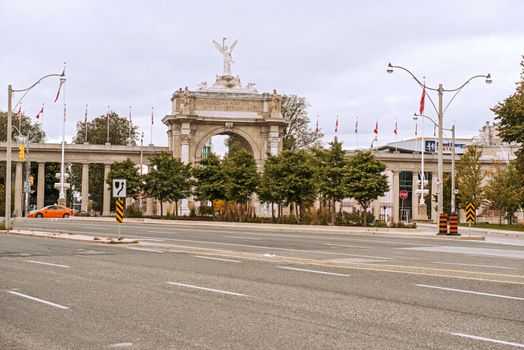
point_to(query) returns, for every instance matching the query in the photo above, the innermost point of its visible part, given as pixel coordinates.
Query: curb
(72, 237)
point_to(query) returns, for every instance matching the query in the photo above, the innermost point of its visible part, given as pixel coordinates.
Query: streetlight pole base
(62, 202)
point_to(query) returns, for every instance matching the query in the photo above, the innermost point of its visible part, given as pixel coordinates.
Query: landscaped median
(319, 229)
(75, 237)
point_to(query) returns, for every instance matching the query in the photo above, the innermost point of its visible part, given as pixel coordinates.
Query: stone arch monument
(225, 108)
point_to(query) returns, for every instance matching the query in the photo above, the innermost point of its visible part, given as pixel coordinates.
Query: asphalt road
(225, 288)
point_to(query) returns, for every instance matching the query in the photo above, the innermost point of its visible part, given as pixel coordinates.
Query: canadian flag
(40, 112)
(62, 81)
(395, 131)
(375, 131)
(422, 100)
(85, 115)
(317, 129)
(336, 125)
(356, 126)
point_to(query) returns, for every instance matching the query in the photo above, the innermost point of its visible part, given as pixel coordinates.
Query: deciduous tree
(469, 178)
(209, 179)
(365, 181)
(298, 134)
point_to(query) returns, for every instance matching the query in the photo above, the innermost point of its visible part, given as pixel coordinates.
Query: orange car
(52, 211)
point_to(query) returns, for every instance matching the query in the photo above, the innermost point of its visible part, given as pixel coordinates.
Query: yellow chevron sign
(119, 206)
(470, 212)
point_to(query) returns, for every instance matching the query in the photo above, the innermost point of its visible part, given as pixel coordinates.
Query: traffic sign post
(471, 214)
(119, 210)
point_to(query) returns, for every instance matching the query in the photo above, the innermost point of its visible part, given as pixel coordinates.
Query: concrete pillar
(149, 206)
(396, 199)
(414, 196)
(107, 192)
(85, 188)
(40, 187)
(18, 188)
(434, 186)
(376, 208)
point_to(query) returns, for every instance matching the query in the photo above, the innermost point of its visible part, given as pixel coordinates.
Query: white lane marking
(152, 239)
(120, 345)
(470, 292)
(146, 249)
(489, 339)
(499, 253)
(313, 271)
(44, 263)
(38, 299)
(207, 289)
(494, 267)
(348, 246)
(219, 259)
(237, 237)
(274, 248)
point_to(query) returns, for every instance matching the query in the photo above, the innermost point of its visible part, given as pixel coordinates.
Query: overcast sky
(334, 53)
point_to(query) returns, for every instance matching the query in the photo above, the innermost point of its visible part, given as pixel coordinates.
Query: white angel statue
(226, 52)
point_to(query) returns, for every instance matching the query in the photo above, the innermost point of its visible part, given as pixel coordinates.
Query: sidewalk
(479, 231)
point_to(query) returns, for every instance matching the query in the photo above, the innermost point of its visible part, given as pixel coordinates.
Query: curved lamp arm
(61, 75)
(488, 81)
(422, 85)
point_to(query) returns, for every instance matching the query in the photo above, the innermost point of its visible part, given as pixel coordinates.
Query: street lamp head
(488, 79)
(390, 68)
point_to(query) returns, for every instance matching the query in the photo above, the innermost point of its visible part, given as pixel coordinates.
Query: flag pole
(130, 124)
(85, 122)
(396, 134)
(152, 122)
(61, 197)
(356, 133)
(107, 140)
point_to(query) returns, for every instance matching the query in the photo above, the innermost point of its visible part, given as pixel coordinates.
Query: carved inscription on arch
(228, 105)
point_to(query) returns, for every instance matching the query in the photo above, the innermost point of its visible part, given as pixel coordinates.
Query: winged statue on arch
(226, 53)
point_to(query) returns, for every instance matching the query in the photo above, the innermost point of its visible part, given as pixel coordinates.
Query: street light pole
(440, 114)
(8, 158)
(10, 92)
(453, 209)
(440, 161)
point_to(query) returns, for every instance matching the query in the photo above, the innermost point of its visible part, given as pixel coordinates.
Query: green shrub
(133, 211)
(380, 223)
(204, 210)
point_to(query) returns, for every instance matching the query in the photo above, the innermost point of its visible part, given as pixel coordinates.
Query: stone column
(40, 187)
(149, 206)
(185, 158)
(18, 188)
(414, 196)
(107, 192)
(85, 187)
(434, 185)
(396, 199)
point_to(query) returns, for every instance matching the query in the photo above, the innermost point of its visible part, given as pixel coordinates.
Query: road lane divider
(474, 265)
(46, 263)
(146, 249)
(207, 289)
(475, 337)
(313, 271)
(470, 292)
(218, 259)
(38, 300)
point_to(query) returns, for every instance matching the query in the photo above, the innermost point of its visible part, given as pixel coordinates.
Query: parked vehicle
(52, 211)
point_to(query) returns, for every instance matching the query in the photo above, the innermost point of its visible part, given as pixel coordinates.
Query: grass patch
(514, 227)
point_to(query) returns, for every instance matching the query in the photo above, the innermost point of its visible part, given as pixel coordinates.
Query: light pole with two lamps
(440, 113)
(10, 92)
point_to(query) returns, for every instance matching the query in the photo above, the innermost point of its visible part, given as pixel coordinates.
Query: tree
(270, 188)
(469, 178)
(128, 170)
(233, 145)
(209, 179)
(365, 181)
(168, 180)
(510, 112)
(297, 179)
(97, 134)
(503, 193)
(332, 168)
(32, 130)
(240, 170)
(298, 134)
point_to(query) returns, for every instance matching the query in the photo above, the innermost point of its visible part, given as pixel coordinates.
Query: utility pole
(453, 209)
(440, 167)
(8, 169)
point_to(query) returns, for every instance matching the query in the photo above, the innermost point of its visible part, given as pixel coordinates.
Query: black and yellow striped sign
(470, 212)
(119, 206)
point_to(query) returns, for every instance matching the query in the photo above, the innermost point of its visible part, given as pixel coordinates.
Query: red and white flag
(62, 81)
(85, 115)
(19, 111)
(356, 126)
(152, 117)
(41, 112)
(317, 129)
(422, 100)
(375, 131)
(130, 122)
(395, 131)
(336, 125)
